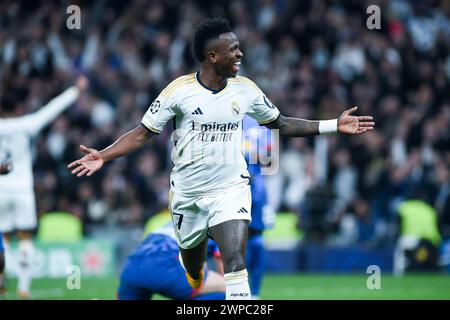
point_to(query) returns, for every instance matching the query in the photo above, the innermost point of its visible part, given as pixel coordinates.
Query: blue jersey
(153, 267)
(160, 242)
(163, 242)
(256, 143)
(1, 242)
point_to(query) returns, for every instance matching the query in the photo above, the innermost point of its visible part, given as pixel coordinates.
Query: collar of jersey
(197, 77)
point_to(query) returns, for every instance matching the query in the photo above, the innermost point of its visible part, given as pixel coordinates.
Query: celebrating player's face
(228, 56)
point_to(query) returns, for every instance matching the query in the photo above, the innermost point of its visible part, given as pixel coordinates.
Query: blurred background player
(257, 145)
(154, 267)
(17, 200)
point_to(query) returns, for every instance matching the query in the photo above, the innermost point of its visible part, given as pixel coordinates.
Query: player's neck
(210, 79)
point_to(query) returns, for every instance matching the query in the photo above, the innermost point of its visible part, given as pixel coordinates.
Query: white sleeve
(159, 112)
(34, 122)
(262, 110)
(90, 52)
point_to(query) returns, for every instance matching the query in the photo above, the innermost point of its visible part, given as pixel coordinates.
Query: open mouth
(236, 66)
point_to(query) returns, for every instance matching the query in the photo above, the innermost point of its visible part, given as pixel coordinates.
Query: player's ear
(212, 56)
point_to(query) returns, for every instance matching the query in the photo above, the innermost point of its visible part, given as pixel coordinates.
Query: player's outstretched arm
(346, 123)
(94, 159)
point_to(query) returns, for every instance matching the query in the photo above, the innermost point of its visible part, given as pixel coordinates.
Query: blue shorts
(160, 273)
(1, 243)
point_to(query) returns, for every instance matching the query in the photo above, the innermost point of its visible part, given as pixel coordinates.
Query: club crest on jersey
(235, 108)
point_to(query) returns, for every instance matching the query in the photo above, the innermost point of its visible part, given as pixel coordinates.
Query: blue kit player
(154, 267)
(256, 143)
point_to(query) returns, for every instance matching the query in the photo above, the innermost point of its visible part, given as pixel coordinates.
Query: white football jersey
(16, 137)
(207, 154)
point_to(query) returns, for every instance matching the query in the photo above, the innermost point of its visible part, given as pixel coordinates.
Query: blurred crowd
(313, 58)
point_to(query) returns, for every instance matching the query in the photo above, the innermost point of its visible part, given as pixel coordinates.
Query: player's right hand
(87, 165)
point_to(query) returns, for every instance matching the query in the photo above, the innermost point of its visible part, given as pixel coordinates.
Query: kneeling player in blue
(256, 144)
(154, 267)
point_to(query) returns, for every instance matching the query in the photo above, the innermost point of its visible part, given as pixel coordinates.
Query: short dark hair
(207, 30)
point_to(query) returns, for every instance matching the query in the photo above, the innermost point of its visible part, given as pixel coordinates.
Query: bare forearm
(128, 143)
(294, 127)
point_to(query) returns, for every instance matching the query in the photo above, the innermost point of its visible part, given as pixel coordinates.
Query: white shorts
(192, 216)
(17, 211)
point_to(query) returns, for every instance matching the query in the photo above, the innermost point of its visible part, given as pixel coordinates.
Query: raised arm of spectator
(90, 55)
(61, 59)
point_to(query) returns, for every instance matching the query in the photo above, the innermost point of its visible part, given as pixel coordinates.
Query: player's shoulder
(244, 81)
(178, 83)
(14, 124)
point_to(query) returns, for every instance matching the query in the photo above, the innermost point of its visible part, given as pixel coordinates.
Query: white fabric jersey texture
(16, 136)
(207, 153)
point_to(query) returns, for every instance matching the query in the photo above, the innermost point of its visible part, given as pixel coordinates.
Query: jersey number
(180, 219)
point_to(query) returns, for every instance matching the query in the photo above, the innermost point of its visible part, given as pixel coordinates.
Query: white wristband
(328, 126)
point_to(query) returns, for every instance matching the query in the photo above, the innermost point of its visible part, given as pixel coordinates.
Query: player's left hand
(349, 124)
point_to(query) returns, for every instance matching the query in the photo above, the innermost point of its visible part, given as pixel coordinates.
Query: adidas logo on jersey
(242, 210)
(197, 111)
